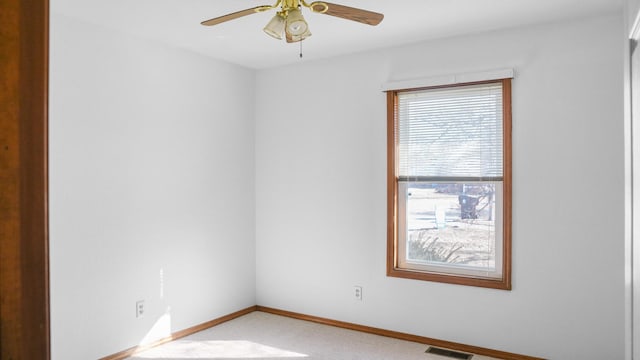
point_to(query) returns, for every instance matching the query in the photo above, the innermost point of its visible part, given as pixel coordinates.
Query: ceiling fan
(288, 20)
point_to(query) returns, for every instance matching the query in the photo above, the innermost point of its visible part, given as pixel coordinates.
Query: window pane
(452, 224)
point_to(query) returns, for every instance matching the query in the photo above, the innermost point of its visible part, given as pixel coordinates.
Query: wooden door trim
(24, 248)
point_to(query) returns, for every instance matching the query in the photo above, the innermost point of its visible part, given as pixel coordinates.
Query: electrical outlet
(357, 292)
(139, 309)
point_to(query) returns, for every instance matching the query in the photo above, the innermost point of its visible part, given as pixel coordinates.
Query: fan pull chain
(300, 49)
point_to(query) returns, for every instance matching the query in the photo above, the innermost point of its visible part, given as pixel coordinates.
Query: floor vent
(448, 353)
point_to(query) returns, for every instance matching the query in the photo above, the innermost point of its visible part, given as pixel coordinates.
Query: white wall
(152, 189)
(152, 172)
(321, 205)
(632, 205)
(631, 11)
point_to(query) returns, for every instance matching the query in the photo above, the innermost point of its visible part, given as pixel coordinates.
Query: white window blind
(451, 133)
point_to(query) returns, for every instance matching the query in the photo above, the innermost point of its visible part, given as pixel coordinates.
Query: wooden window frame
(392, 196)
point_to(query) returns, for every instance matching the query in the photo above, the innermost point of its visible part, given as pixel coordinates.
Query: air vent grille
(448, 353)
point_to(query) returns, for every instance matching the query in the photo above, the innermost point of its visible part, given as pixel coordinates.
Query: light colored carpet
(265, 336)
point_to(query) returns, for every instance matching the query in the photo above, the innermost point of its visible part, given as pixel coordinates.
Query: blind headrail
(448, 80)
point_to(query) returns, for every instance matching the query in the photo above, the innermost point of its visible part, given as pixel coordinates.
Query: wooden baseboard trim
(402, 336)
(320, 320)
(180, 334)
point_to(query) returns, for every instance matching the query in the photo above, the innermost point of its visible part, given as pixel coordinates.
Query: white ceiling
(241, 41)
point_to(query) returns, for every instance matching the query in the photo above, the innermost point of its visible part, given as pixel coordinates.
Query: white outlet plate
(357, 292)
(139, 309)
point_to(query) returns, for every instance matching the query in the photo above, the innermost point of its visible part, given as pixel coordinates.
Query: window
(449, 184)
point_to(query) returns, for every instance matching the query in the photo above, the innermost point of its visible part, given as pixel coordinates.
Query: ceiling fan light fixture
(296, 25)
(275, 27)
(296, 38)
